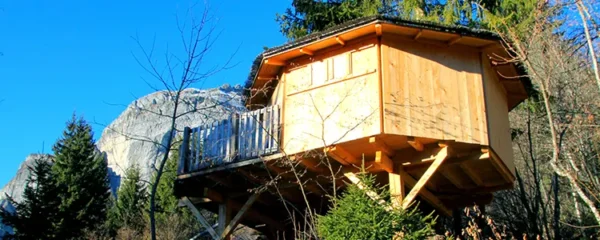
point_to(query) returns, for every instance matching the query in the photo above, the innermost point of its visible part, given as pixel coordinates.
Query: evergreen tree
(82, 180)
(173, 222)
(355, 215)
(111, 226)
(36, 214)
(307, 16)
(128, 211)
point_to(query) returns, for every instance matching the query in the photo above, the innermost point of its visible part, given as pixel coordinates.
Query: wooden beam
(341, 155)
(282, 171)
(224, 216)
(213, 195)
(501, 167)
(200, 218)
(340, 41)
(217, 197)
(183, 166)
(418, 158)
(309, 163)
(396, 189)
(262, 78)
(251, 176)
(274, 62)
(456, 159)
(373, 195)
(439, 159)
(416, 144)
(426, 194)
(224, 181)
(306, 51)
(382, 161)
(419, 33)
(234, 222)
(378, 29)
(231, 165)
(454, 40)
(381, 146)
(445, 143)
(453, 178)
(472, 174)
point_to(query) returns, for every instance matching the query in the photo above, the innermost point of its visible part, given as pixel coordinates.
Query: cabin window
(340, 67)
(319, 72)
(364, 60)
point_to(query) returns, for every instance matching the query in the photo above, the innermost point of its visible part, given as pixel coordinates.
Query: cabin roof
(463, 31)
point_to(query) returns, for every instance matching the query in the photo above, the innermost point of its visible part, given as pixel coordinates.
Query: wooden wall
(433, 91)
(277, 97)
(332, 97)
(497, 110)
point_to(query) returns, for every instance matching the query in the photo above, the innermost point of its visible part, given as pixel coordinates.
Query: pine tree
(128, 211)
(355, 215)
(174, 222)
(82, 180)
(36, 214)
(307, 16)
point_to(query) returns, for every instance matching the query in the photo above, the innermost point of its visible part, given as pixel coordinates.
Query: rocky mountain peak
(132, 138)
(16, 185)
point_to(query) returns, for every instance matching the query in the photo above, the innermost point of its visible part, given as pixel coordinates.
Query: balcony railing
(241, 137)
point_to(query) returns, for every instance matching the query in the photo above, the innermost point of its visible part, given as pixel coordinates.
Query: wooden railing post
(235, 124)
(276, 128)
(184, 152)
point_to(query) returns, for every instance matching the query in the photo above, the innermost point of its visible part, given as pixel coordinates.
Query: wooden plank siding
(277, 97)
(432, 91)
(497, 112)
(332, 97)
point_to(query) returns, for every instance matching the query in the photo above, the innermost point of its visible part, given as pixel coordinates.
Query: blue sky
(62, 57)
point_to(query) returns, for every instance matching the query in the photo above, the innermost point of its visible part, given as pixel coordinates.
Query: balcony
(241, 137)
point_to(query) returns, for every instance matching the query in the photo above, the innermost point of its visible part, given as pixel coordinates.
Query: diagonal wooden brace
(439, 159)
(240, 214)
(372, 194)
(200, 218)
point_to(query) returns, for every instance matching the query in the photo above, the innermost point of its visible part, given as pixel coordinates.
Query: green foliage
(516, 16)
(307, 16)
(173, 222)
(112, 225)
(355, 215)
(36, 214)
(82, 181)
(128, 211)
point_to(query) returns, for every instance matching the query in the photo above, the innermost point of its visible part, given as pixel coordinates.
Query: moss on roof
(434, 26)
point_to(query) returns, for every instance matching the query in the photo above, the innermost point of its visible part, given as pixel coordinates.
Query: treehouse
(422, 106)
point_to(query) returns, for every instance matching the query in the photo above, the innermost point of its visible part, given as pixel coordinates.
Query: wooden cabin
(422, 106)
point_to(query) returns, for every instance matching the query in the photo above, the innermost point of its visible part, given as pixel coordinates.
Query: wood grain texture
(432, 91)
(332, 99)
(497, 113)
(439, 159)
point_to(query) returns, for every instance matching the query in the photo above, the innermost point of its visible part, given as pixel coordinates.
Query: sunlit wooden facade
(425, 106)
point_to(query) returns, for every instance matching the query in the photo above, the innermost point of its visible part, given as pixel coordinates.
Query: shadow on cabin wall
(434, 92)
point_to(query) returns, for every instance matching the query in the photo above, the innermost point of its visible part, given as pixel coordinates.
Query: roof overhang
(267, 67)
